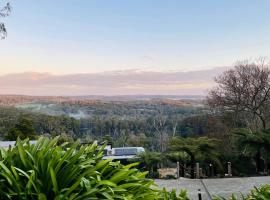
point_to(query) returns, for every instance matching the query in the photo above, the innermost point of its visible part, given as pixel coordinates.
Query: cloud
(128, 82)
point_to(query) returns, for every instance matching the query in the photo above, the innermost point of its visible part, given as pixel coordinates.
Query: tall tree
(159, 124)
(244, 93)
(4, 12)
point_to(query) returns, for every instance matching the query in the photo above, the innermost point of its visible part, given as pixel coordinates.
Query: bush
(173, 195)
(46, 170)
(262, 193)
(242, 165)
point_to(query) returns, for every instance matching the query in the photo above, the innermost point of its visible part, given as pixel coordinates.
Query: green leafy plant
(46, 170)
(173, 195)
(262, 193)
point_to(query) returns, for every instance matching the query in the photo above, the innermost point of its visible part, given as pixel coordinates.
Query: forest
(128, 123)
(229, 125)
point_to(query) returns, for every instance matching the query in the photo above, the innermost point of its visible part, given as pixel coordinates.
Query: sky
(128, 82)
(65, 38)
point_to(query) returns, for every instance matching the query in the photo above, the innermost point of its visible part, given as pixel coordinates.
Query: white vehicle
(120, 153)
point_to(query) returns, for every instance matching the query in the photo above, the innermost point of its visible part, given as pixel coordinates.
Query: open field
(209, 187)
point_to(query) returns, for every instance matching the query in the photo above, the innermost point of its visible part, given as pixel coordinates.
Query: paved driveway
(209, 187)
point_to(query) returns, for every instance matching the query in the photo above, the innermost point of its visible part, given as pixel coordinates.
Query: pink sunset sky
(128, 47)
(128, 82)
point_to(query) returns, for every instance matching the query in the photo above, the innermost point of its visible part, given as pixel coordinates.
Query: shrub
(46, 170)
(173, 195)
(262, 193)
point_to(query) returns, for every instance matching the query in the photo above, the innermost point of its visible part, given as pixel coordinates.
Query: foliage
(242, 165)
(23, 128)
(173, 195)
(63, 138)
(200, 149)
(151, 161)
(253, 144)
(250, 141)
(244, 92)
(262, 193)
(130, 124)
(180, 156)
(46, 170)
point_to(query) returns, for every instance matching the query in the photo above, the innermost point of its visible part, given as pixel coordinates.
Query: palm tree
(199, 149)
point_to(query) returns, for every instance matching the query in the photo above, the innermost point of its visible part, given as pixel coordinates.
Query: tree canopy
(201, 149)
(244, 93)
(254, 144)
(23, 129)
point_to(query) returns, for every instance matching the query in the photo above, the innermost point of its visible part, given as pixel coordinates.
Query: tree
(159, 124)
(254, 144)
(107, 139)
(199, 149)
(63, 138)
(4, 12)
(123, 138)
(23, 129)
(244, 93)
(151, 162)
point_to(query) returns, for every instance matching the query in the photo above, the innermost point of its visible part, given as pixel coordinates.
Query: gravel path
(209, 187)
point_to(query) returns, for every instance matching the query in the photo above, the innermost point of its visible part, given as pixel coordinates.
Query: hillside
(94, 117)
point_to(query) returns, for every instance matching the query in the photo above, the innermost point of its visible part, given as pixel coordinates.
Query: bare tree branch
(4, 12)
(244, 91)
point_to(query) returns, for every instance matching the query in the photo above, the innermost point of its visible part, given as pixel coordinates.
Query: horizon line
(116, 71)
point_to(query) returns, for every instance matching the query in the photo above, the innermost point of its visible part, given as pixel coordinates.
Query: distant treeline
(133, 124)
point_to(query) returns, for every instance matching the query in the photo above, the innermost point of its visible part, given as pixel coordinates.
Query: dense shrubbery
(186, 151)
(46, 170)
(262, 193)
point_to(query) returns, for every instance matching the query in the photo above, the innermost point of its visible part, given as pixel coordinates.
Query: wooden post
(211, 170)
(185, 166)
(197, 170)
(229, 169)
(200, 174)
(178, 170)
